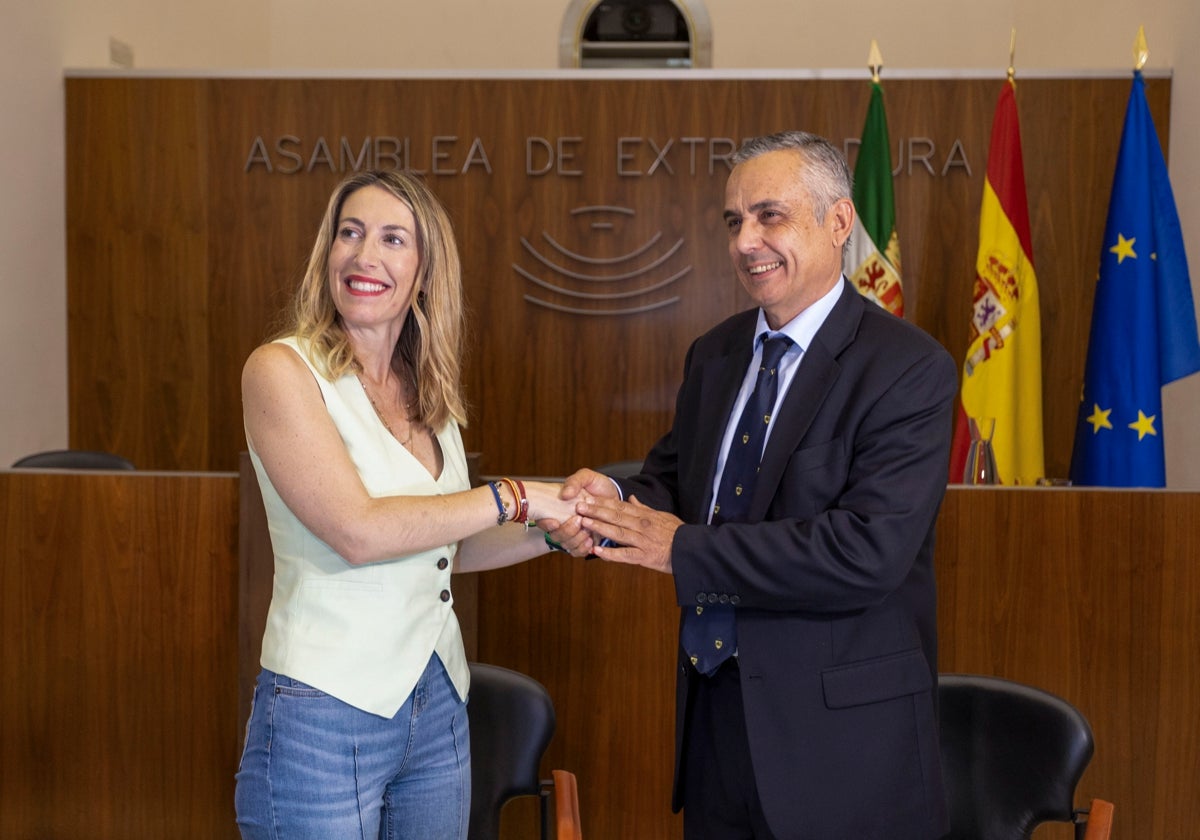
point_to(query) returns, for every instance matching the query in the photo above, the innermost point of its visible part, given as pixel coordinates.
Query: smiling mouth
(763, 268)
(365, 285)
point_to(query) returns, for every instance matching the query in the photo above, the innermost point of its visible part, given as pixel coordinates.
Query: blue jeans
(315, 767)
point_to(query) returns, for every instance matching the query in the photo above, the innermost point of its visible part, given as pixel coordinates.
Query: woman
(359, 726)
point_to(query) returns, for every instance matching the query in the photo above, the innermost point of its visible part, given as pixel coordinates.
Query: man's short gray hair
(826, 176)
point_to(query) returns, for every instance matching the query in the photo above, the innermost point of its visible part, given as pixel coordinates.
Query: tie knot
(773, 349)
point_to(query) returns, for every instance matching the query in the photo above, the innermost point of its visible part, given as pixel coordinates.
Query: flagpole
(874, 61)
(1012, 56)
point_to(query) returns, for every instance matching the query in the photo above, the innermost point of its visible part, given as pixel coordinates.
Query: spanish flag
(1002, 374)
(872, 260)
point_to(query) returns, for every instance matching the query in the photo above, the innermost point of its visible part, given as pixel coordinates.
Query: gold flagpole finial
(1012, 54)
(874, 61)
(1140, 51)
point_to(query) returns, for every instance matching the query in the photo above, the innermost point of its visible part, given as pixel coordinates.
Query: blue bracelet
(503, 515)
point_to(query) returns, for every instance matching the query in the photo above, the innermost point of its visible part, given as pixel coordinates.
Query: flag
(872, 260)
(1143, 321)
(1002, 373)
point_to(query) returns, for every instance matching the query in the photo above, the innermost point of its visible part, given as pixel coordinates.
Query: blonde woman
(359, 725)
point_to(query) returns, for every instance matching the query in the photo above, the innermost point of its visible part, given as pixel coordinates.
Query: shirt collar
(804, 326)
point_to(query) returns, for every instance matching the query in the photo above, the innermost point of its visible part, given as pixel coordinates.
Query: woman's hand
(545, 502)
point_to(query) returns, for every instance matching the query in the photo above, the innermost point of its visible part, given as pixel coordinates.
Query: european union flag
(1143, 322)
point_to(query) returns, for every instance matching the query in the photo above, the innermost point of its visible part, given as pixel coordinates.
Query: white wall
(39, 40)
(169, 33)
(33, 294)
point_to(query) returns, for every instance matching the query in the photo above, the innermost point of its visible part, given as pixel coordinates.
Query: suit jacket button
(442, 563)
(700, 599)
(445, 596)
(735, 600)
(724, 599)
(712, 597)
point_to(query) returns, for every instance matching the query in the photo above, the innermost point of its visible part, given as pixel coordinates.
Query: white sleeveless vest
(363, 634)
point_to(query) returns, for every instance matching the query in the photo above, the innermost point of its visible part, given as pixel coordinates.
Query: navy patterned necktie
(709, 631)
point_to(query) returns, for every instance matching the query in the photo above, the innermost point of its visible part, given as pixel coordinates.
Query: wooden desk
(120, 637)
(118, 644)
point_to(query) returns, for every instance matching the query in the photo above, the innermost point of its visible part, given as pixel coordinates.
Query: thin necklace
(407, 442)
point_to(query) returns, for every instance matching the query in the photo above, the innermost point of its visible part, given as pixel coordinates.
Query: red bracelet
(522, 517)
(512, 488)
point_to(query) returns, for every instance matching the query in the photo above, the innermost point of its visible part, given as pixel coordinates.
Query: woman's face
(374, 259)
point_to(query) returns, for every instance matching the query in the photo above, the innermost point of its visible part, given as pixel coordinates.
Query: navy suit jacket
(833, 573)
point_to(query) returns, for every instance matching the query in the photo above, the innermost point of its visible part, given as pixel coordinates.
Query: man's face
(785, 258)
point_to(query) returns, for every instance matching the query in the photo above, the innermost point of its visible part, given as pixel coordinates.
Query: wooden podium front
(130, 620)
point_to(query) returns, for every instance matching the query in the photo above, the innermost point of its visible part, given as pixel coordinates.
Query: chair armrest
(1098, 822)
(566, 806)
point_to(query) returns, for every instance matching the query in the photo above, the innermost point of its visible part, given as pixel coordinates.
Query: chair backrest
(73, 459)
(621, 469)
(1011, 756)
(512, 721)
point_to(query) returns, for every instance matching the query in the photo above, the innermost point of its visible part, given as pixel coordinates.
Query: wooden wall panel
(179, 259)
(138, 288)
(118, 644)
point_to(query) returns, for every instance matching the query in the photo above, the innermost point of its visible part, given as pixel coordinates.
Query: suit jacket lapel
(819, 370)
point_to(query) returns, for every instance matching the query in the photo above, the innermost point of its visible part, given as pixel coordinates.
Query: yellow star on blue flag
(1144, 425)
(1099, 419)
(1124, 248)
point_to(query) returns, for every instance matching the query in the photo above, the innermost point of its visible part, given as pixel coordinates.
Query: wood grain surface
(128, 635)
(188, 229)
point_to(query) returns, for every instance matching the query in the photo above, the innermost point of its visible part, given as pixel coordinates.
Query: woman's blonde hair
(429, 352)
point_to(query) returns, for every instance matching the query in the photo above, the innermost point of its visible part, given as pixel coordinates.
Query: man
(822, 723)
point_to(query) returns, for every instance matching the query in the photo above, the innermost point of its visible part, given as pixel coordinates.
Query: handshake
(586, 517)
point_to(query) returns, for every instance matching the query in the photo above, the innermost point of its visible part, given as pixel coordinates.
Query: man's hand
(597, 484)
(643, 535)
(584, 485)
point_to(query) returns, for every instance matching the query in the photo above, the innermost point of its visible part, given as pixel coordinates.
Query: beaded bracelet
(502, 516)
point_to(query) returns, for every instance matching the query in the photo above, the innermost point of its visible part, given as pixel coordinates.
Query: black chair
(621, 469)
(1011, 757)
(73, 459)
(512, 721)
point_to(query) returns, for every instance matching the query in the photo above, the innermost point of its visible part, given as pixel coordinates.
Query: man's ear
(840, 220)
